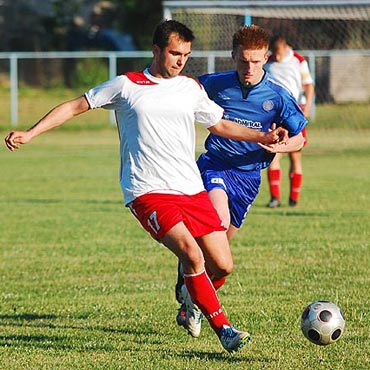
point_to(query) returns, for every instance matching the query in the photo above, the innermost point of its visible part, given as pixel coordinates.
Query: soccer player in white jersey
(290, 69)
(155, 111)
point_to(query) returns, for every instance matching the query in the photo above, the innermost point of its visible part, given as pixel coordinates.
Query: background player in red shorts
(155, 111)
(291, 69)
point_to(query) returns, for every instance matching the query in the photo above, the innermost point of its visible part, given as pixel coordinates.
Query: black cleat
(273, 203)
(292, 202)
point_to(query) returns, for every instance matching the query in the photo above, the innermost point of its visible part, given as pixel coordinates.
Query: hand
(15, 138)
(271, 148)
(275, 136)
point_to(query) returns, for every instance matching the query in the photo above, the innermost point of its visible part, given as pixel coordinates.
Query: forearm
(294, 144)
(58, 115)
(309, 92)
(232, 130)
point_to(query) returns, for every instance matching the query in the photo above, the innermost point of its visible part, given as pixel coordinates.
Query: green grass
(84, 287)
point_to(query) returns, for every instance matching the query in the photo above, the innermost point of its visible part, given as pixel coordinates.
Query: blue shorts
(241, 187)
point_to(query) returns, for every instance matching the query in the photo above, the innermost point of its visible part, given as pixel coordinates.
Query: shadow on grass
(261, 210)
(84, 343)
(28, 317)
(33, 320)
(66, 341)
(236, 358)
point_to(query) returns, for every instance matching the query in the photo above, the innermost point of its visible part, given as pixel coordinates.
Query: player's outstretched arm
(294, 144)
(232, 130)
(56, 117)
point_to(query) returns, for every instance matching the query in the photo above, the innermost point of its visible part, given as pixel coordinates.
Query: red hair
(251, 37)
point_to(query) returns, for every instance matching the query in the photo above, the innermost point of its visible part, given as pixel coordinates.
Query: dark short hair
(164, 30)
(277, 40)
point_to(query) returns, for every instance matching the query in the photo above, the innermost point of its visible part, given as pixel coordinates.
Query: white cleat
(193, 314)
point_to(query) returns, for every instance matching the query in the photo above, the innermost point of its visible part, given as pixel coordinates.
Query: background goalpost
(333, 35)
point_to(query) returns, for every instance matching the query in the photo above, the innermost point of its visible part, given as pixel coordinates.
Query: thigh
(217, 253)
(275, 164)
(180, 242)
(220, 201)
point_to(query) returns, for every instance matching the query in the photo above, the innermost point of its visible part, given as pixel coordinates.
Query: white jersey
(292, 71)
(155, 118)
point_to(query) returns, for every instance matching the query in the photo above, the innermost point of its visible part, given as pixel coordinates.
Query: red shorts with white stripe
(159, 213)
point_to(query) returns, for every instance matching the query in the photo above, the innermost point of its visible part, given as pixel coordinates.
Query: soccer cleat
(181, 316)
(273, 203)
(292, 202)
(233, 340)
(193, 315)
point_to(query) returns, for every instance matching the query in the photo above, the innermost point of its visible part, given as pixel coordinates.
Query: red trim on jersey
(139, 78)
(299, 57)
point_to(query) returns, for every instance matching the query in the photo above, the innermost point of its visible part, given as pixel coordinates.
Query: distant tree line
(41, 25)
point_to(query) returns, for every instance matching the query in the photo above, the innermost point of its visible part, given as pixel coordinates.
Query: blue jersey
(257, 108)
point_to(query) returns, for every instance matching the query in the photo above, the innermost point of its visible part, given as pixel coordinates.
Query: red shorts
(159, 213)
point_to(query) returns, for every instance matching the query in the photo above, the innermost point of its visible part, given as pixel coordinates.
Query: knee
(192, 260)
(223, 270)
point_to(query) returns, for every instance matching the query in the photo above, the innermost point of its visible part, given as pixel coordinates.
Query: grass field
(84, 287)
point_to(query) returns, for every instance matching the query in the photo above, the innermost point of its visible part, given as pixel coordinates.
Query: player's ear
(233, 55)
(156, 50)
(266, 57)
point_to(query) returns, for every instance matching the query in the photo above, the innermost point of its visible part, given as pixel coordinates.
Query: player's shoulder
(218, 80)
(299, 57)
(217, 76)
(190, 80)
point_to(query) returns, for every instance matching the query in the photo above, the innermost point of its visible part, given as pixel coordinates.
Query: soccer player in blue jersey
(231, 170)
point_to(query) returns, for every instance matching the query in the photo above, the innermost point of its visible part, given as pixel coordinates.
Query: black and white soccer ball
(322, 322)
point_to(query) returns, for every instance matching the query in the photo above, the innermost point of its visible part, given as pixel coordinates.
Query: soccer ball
(322, 322)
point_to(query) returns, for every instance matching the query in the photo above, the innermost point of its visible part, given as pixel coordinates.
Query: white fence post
(211, 63)
(13, 90)
(312, 67)
(112, 73)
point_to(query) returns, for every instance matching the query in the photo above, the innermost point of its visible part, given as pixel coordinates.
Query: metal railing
(112, 57)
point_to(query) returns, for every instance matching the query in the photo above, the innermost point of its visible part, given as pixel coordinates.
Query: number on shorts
(153, 222)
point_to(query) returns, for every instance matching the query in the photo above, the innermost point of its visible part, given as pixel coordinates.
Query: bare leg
(199, 286)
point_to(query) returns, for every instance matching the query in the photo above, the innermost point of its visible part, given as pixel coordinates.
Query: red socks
(295, 185)
(274, 177)
(217, 283)
(203, 294)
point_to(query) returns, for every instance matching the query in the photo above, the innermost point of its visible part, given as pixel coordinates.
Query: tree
(139, 18)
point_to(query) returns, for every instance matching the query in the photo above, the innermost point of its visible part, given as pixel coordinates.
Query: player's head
(171, 48)
(250, 46)
(278, 47)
